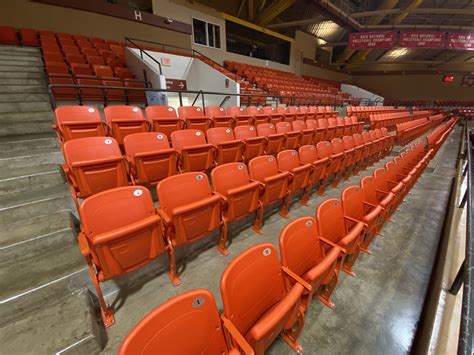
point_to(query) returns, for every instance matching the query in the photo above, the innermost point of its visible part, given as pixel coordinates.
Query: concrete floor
(376, 312)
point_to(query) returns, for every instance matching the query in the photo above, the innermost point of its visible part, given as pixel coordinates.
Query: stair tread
(50, 329)
(19, 154)
(32, 228)
(27, 137)
(29, 171)
(27, 116)
(27, 197)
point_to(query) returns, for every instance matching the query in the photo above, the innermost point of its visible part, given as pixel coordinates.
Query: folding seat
(8, 35)
(219, 117)
(254, 145)
(103, 71)
(115, 62)
(292, 138)
(123, 73)
(75, 58)
(58, 68)
(28, 37)
(239, 195)
(355, 208)
(384, 142)
(390, 140)
(114, 94)
(99, 45)
(347, 156)
(308, 155)
(55, 57)
(340, 127)
(296, 111)
(319, 131)
(120, 233)
(71, 50)
(312, 258)
(95, 60)
(275, 309)
(135, 95)
(50, 47)
(275, 184)
(64, 36)
(189, 211)
(61, 93)
(194, 118)
(358, 125)
(329, 132)
(86, 44)
(340, 230)
(81, 69)
(91, 93)
(370, 146)
(307, 134)
(258, 116)
(164, 119)
(67, 42)
(275, 142)
(86, 51)
(116, 49)
(385, 185)
(375, 197)
(78, 122)
(162, 330)
(229, 149)
(300, 174)
(47, 34)
(325, 150)
(274, 117)
(352, 155)
(92, 165)
(286, 116)
(332, 126)
(240, 115)
(150, 157)
(196, 153)
(125, 120)
(378, 143)
(348, 127)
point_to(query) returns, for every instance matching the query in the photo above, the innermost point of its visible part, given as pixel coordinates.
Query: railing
(465, 274)
(142, 51)
(163, 47)
(290, 100)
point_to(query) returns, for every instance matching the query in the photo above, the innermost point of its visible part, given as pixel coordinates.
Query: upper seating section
(282, 83)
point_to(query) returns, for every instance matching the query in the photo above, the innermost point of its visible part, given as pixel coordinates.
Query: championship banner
(422, 39)
(368, 40)
(461, 40)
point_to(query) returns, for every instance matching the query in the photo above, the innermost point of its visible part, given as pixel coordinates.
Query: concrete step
(20, 62)
(24, 106)
(29, 204)
(23, 81)
(23, 97)
(21, 68)
(30, 179)
(66, 326)
(15, 160)
(29, 116)
(20, 49)
(23, 89)
(21, 75)
(28, 142)
(13, 128)
(21, 57)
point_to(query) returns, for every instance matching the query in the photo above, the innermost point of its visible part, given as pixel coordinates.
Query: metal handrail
(131, 40)
(276, 98)
(98, 78)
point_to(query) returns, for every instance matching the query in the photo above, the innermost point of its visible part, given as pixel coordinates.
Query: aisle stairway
(41, 268)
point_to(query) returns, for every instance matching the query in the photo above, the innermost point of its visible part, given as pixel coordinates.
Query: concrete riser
(46, 115)
(35, 208)
(9, 129)
(23, 81)
(23, 89)
(31, 160)
(31, 182)
(20, 57)
(21, 68)
(24, 106)
(28, 145)
(21, 75)
(19, 62)
(23, 97)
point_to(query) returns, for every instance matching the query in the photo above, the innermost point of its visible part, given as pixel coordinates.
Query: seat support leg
(290, 335)
(173, 273)
(222, 246)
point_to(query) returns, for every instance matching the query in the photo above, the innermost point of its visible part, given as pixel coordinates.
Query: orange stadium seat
(8, 35)
(125, 120)
(229, 149)
(374, 197)
(306, 133)
(240, 115)
(300, 174)
(164, 119)
(275, 142)
(308, 155)
(325, 150)
(196, 153)
(194, 117)
(78, 122)
(219, 117)
(258, 116)
(292, 138)
(254, 145)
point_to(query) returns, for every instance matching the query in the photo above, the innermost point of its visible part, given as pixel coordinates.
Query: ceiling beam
(273, 11)
(250, 10)
(241, 7)
(430, 11)
(309, 21)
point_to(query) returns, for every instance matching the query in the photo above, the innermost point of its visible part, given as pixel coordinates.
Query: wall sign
(368, 40)
(461, 40)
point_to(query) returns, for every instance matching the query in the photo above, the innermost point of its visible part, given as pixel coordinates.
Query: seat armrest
(352, 234)
(354, 220)
(235, 335)
(277, 177)
(296, 278)
(83, 244)
(164, 216)
(328, 242)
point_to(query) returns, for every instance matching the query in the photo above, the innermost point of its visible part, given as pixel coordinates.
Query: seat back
(283, 127)
(352, 199)
(337, 146)
(151, 157)
(236, 110)
(187, 138)
(212, 111)
(190, 111)
(308, 154)
(288, 160)
(180, 197)
(254, 278)
(163, 119)
(369, 187)
(348, 142)
(298, 125)
(266, 129)
(244, 132)
(380, 177)
(358, 140)
(164, 329)
(125, 120)
(300, 248)
(233, 181)
(95, 164)
(123, 229)
(263, 167)
(220, 135)
(228, 148)
(330, 217)
(324, 149)
(79, 122)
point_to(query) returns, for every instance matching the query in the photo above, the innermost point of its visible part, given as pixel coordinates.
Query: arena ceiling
(331, 21)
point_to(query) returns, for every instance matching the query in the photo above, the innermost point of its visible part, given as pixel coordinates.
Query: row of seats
(24, 36)
(312, 251)
(95, 164)
(380, 120)
(364, 112)
(408, 131)
(435, 139)
(83, 121)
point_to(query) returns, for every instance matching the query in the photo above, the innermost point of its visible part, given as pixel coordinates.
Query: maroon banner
(367, 40)
(422, 39)
(461, 40)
